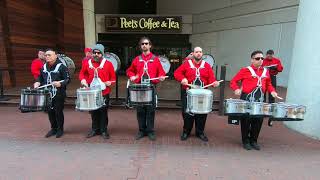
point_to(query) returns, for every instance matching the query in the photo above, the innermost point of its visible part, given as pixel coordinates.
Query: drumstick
(48, 85)
(193, 86)
(157, 78)
(211, 84)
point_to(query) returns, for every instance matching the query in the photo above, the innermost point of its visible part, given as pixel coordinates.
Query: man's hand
(108, 83)
(237, 92)
(275, 95)
(184, 81)
(162, 78)
(36, 85)
(84, 83)
(216, 84)
(133, 78)
(56, 84)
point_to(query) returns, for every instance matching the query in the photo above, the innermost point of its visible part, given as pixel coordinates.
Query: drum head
(209, 59)
(114, 59)
(199, 92)
(165, 63)
(68, 62)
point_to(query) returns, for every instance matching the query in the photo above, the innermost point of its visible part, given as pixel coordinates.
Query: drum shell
(235, 107)
(89, 99)
(199, 101)
(34, 100)
(279, 110)
(301, 110)
(260, 109)
(141, 94)
(288, 111)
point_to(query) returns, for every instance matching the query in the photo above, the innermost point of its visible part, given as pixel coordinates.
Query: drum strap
(53, 91)
(145, 70)
(197, 72)
(100, 66)
(259, 84)
(96, 74)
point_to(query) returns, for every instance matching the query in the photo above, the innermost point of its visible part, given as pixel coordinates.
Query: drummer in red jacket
(88, 56)
(275, 66)
(107, 76)
(194, 71)
(143, 67)
(255, 81)
(37, 64)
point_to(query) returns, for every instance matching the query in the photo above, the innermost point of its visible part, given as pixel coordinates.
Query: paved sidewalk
(25, 154)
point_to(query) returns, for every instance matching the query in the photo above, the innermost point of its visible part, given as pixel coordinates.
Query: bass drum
(209, 59)
(165, 63)
(68, 62)
(114, 59)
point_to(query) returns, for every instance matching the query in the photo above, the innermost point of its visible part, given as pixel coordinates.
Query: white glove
(84, 83)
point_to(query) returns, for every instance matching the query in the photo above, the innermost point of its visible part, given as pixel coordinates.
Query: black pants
(55, 112)
(100, 117)
(198, 119)
(145, 116)
(250, 126)
(271, 99)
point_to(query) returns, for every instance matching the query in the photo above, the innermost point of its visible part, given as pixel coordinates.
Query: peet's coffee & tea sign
(144, 23)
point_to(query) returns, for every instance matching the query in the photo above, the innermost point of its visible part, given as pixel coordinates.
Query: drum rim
(35, 91)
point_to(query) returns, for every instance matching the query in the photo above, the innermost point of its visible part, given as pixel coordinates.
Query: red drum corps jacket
(105, 73)
(186, 71)
(153, 64)
(36, 66)
(249, 82)
(273, 70)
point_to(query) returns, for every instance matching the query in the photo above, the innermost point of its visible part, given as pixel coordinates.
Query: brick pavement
(26, 154)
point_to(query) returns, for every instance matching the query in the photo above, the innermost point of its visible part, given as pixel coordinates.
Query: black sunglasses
(96, 52)
(259, 58)
(144, 43)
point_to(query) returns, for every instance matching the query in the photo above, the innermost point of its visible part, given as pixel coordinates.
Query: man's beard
(96, 58)
(197, 59)
(144, 50)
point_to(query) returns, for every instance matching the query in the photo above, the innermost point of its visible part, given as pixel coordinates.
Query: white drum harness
(96, 82)
(259, 84)
(53, 91)
(197, 80)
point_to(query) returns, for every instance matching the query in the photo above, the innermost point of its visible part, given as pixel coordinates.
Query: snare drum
(141, 94)
(199, 101)
(234, 107)
(89, 99)
(260, 109)
(34, 100)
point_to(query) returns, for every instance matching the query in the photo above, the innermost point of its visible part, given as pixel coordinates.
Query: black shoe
(152, 136)
(105, 135)
(139, 135)
(59, 133)
(255, 146)
(52, 132)
(203, 137)
(247, 146)
(91, 134)
(184, 136)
